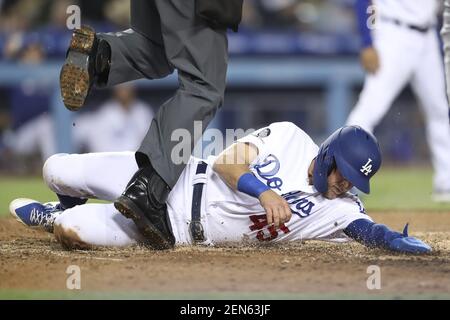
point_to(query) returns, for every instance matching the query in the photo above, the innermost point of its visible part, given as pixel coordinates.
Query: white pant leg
(397, 60)
(101, 224)
(95, 225)
(428, 84)
(94, 175)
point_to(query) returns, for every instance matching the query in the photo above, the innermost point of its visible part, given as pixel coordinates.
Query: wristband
(250, 185)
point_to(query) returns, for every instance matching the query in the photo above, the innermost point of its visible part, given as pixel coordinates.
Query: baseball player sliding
(401, 48)
(272, 185)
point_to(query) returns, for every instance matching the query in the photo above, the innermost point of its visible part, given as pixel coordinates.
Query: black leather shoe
(144, 201)
(87, 62)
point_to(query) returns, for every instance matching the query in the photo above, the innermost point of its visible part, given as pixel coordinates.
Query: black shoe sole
(154, 237)
(74, 79)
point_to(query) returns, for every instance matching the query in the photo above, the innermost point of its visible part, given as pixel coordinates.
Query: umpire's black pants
(166, 35)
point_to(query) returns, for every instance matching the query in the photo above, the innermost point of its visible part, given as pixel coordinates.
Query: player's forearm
(379, 236)
(231, 173)
(234, 162)
(371, 234)
(239, 177)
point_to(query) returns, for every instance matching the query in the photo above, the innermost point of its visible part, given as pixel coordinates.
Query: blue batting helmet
(354, 151)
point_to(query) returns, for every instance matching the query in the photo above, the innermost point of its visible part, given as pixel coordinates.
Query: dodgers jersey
(285, 153)
(416, 12)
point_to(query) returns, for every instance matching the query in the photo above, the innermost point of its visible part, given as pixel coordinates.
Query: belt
(195, 227)
(421, 29)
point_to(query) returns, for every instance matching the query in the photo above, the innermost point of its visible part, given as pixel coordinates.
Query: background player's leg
(138, 52)
(429, 85)
(93, 175)
(445, 32)
(35, 135)
(200, 55)
(382, 88)
(94, 225)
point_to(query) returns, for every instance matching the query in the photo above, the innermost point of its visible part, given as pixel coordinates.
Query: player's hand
(276, 207)
(407, 244)
(370, 60)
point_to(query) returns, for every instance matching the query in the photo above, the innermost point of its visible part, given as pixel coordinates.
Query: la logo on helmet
(367, 168)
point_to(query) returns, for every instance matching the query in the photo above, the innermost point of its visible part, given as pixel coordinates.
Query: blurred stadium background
(292, 60)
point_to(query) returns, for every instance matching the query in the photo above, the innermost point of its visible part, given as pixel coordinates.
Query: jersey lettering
(269, 234)
(267, 171)
(300, 204)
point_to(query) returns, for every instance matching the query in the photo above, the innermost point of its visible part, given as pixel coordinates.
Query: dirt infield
(33, 260)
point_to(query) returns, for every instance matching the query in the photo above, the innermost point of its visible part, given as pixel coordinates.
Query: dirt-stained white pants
(102, 176)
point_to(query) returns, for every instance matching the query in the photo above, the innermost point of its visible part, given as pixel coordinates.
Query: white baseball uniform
(285, 154)
(409, 56)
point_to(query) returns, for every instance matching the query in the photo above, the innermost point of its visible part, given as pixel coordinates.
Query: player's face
(337, 185)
